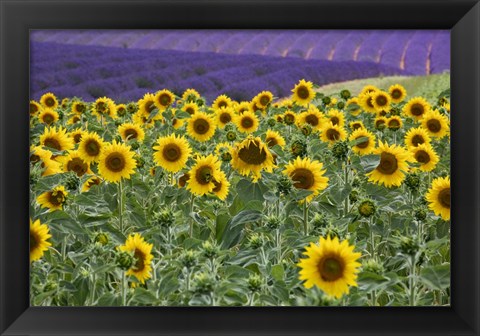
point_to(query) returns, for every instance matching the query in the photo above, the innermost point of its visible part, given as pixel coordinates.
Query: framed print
(186, 167)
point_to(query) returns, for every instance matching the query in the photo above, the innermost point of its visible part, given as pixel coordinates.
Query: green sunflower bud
(373, 266)
(326, 100)
(340, 150)
(273, 222)
(132, 108)
(134, 144)
(340, 105)
(255, 241)
(164, 218)
(345, 94)
(366, 208)
(188, 258)
(72, 182)
(271, 122)
(284, 185)
(255, 283)
(125, 260)
(299, 148)
(420, 214)
(353, 196)
(102, 238)
(203, 283)
(319, 221)
(231, 136)
(210, 250)
(409, 245)
(306, 129)
(412, 181)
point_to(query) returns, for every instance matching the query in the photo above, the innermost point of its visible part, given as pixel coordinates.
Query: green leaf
(108, 300)
(278, 272)
(234, 227)
(248, 190)
(369, 162)
(436, 277)
(182, 115)
(369, 281)
(339, 194)
(143, 296)
(220, 225)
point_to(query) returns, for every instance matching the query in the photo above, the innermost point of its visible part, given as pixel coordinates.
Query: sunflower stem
(94, 282)
(412, 282)
(305, 217)
(192, 200)
(124, 289)
(120, 205)
(372, 239)
(279, 245)
(346, 184)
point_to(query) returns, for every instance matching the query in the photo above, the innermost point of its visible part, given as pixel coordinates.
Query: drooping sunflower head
(203, 174)
(307, 174)
(392, 166)
(417, 136)
(163, 99)
(330, 265)
(425, 155)
(332, 133)
(365, 141)
(74, 162)
(129, 131)
(224, 116)
(116, 162)
(35, 108)
(104, 107)
(273, 138)
(49, 100)
(222, 186)
(191, 108)
(201, 127)
(56, 139)
(251, 156)
(48, 116)
(394, 123)
(224, 151)
(397, 93)
(221, 101)
(336, 118)
(90, 146)
(53, 199)
(172, 152)
(303, 93)
(39, 236)
(381, 101)
(355, 125)
(79, 107)
(438, 197)
(42, 157)
(436, 124)
(142, 254)
(263, 99)
(92, 181)
(416, 108)
(247, 122)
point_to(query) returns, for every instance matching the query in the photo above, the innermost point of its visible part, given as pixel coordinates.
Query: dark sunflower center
(289, 118)
(50, 102)
(75, 119)
(394, 123)
(222, 104)
(225, 118)
(139, 260)
(396, 94)
(92, 148)
(165, 99)
(381, 100)
(218, 186)
(264, 100)
(388, 164)
(92, 182)
(247, 122)
(303, 178)
(369, 102)
(204, 175)
(34, 158)
(334, 120)
(149, 106)
(56, 198)
(444, 197)
(252, 154)
(171, 152)
(77, 138)
(333, 134)
(183, 180)
(34, 241)
(356, 126)
(434, 125)
(101, 107)
(48, 118)
(303, 92)
(190, 110)
(121, 111)
(422, 156)
(364, 143)
(330, 269)
(33, 108)
(78, 166)
(417, 109)
(80, 108)
(115, 162)
(379, 123)
(52, 143)
(312, 119)
(201, 126)
(271, 142)
(417, 140)
(130, 133)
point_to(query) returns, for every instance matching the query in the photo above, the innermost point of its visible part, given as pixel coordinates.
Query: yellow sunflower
(49, 100)
(436, 124)
(313, 117)
(74, 162)
(417, 136)
(426, 156)
(367, 145)
(53, 199)
(129, 131)
(224, 116)
(190, 108)
(35, 108)
(76, 118)
(104, 107)
(332, 133)
(190, 95)
(242, 107)
(354, 125)
(397, 93)
(308, 175)
(44, 158)
(273, 138)
(116, 161)
(90, 147)
(142, 254)
(92, 181)
(201, 127)
(222, 186)
(380, 122)
(251, 156)
(176, 123)
(336, 117)
(146, 106)
(77, 135)
(367, 89)
(263, 99)
(121, 110)
(203, 174)
(394, 123)
(438, 197)
(79, 107)
(163, 99)
(303, 93)
(353, 106)
(39, 235)
(247, 122)
(381, 101)
(330, 265)
(392, 166)
(366, 102)
(142, 118)
(416, 108)
(221, 101)
(172, 152)
(289, 117)
(48, 116)
(56, 139)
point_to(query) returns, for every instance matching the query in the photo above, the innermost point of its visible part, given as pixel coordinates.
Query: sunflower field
(174, 200)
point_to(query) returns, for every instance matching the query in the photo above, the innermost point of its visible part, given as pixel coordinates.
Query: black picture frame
(462, 17)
